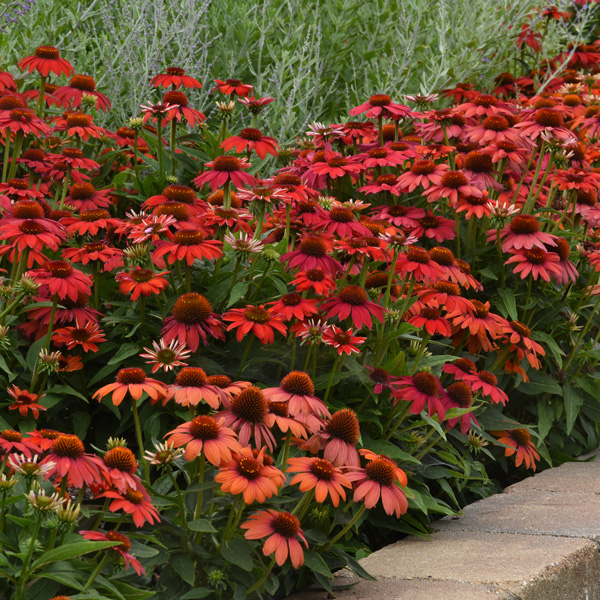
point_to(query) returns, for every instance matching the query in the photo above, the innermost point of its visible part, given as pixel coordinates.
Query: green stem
(6, 155)
(198, 510)
(183, 523)
(386, 298)
(40, 104)
(15, 155)
(422, 347)
(173, 143)
(188, 277)
(97, 571)
(260, 582)
(160, 147)
(65, 188)
(20, 592)
(345, 529)
(245, 356)
(138, 433)
(286, 449)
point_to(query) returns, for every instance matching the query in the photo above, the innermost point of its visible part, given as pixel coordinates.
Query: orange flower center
(378, 153)
(140, 275)
(286, 179)
(376, 280)
(344, 426)
(352, 294)
(521, 329)
(286, 524)
(521, 436)
(341, 215)
(524, 225)
(31, 228)
(251, 134)
(313, 247)
(175, 71)
(11, 102)
(83, 82)
(94, 214)
(562, 248)
(79, 120)
(134, 496)
(495, 123)
(120, 458)
(188, 237)
(298, 383)
(131, 376)
(68, 445)
(49, 434)
(10, 435)
(386, 178)
(72, 153)
(47, 52)
(221, 381)
(192, 309)
(191, 377)
(21, 114)
(418, 255)
(115, 536)
(173, 97)
(547, 117)
(447, 287)
(177, 210)
(488, 377)
(257, 314)
(485, 100)
(429, 222)
(204, 428)
(442, 256)
(279, 408)
(431, 314)
(380, 100)
(464, 364)
(315, 275)
(536, 256)
(82, 191)
(59, 268)
(423, 167)
(338, 161)
(250, 404)
(180, 193)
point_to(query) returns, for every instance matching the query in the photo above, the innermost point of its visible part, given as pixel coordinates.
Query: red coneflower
(523, 232)
(319, 474)
(89, 221)
(43, 439)
(445, 294)
(480, 323)
(84, 196)
(57, 277)
(191, 387)
(352, 301)
(382, 105)
(432, 320)
(248, 474)
(46, 60)
(459, 395)
(477, 205)
(141, 281)
(11, 441)
(343, 341)
(79, 124)
(492, 130)
(136, 503)
(72, 157)
(247, 414)
(417, 263)
(205, 434)
(121, 547)
(378, 480)
(335, 165)
(175, 77)
(421, 389)
(29, 234)
(535, 262)
(483, 105)
(25, 402)
(24, 120)
(453, 185)
(291, 306)
(433, 227)
(192, 318)
(233, 86)
(422, 173)
(110, 258)
(78, 86)
(84, 335)
(340, 221)
(520, 443)
(131, 381)
(314, 279)
(179, 109)
(285, 422)
(223, 169)
(282, 528)
(70, 460)
(546, 121)
(258, 320)
(312, 253)
(251, 139)
(188, 245)
(488, 384)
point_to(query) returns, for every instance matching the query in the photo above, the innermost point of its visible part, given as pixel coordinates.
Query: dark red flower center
(78, 119)
(72, 153)
(418, 255)
(250, 404)
(286, 524)
(176, 210)
(429, 222)
(460, 393)
(315, 275)
(226, 163)
(381, 470)
(322, 469)
(131, 375)
(31, 228)
(386, 179)
(337, 161)
(536, 256)
(431, 314)
(313, 247)
(495, 123)
(344, 426)
(94, 214)
(257, 314)
(520, 328)
(478, 162)
(447, 287)
(49, 434)
(204, 427)
(21, 114)
(251, 134)
(488, 378)
(82, 191)
(547, 117)
(378, 153)
(124, 541)
(485, 100)
(453, 179)
(233, 82)
(376, 280)
(83, 82)
(291, 299)
(466, 365)
(353, 294)
(562, 248)
(524, 225)
(249, 468)
(59, 268)
(134, 496)
(182, 193)
(140, 275)
(426, 383)
(341, 215)
(286, 179)
(188, 237)
(298, 383)
(11, 102)
(175, 71)
(192, 309)
(10, 435)
(442, 256)
(521, 436)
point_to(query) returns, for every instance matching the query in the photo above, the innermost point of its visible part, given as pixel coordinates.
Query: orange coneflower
(343, 341)
(352, 301)
(312, 253)
(205, 434)
(57, 277)
(141, 281)
(121, 465)
(188, 245)
(314, 279)
(110, 258)
(175, 77)
(121, 547)
(319, 474)
(258, 320)
(421, 389)
(520, 443)
(233, 86)
(24, 120)
(224, 169)
(137, 503)
(132, 381)
(84, 335)
(25, 401)
(251, 139)
(11, 441)
(78, 86)
(248, 474)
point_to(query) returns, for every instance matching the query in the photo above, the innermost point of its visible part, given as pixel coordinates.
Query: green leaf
(540, 336)
(573, 402)
(238, 291)
(316, 563)
(81, 422)
(389, 449)
(236, 552)
(197, 593)
(540, 383)
(183, 565)
(33, 353)
(201, 525)
(65, 389)
(508, 304)
(125, 351)
(4, 366)
(546, 414)
(69, 551)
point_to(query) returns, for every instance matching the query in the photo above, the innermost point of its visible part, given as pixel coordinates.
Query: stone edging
(538, 540)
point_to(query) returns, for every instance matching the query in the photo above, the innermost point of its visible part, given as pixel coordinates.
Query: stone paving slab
(532, 512)
(574, 477)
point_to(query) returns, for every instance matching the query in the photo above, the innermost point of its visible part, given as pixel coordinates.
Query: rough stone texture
(578, 477)
(405, 589)
(532, 512)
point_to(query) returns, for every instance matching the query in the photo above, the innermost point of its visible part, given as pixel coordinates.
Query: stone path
(538, 540)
